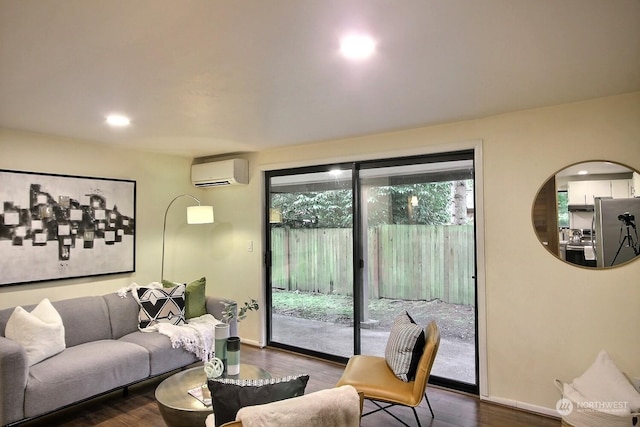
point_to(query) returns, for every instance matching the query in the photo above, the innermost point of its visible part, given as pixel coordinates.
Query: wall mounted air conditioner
(223, 172)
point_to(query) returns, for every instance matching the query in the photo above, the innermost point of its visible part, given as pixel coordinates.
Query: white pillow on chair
(604, 382)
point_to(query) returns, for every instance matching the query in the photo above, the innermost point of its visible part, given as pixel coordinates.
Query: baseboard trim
(549, 412)
(252, 343)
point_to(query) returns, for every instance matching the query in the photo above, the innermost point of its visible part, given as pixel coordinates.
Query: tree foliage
(428, 204)
(410, 204)
(316, 209)
(563, 209)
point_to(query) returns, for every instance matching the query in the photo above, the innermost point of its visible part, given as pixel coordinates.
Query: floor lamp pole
(164, 228)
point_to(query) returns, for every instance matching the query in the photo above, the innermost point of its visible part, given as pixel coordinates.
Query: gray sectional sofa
(104, 351)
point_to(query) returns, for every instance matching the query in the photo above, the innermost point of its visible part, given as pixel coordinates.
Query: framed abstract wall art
(60, 227)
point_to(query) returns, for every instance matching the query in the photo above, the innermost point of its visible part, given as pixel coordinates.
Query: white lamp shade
(199, 214)
(275, 216)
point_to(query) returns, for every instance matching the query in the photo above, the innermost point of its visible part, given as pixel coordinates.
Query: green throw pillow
(195, 301)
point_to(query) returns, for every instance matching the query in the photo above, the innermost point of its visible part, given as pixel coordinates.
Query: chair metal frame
(384, 408)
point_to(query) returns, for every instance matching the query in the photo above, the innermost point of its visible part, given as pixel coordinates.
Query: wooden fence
(411, 262)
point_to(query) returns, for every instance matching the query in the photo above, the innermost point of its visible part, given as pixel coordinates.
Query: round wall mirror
(586, 214)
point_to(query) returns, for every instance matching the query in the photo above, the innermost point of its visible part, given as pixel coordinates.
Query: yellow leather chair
(372, 376)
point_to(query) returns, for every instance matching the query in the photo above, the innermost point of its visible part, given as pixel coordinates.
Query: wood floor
(451, 409)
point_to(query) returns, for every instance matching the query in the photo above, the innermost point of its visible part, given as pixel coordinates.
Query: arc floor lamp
(199, 214)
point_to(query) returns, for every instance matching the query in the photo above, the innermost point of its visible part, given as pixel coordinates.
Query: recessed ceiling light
(357, 46)
(583, 172)
(118, 120)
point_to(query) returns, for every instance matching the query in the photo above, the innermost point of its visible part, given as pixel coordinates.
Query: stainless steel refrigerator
(616, 234)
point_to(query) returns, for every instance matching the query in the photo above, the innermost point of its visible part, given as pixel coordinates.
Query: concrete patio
(455, 359)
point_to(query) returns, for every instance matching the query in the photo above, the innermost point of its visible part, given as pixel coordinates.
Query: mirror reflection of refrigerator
(615, 239)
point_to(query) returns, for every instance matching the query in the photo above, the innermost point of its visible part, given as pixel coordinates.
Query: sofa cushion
(85, 319)
(195, 305)
(83, 371)
(162, 357)
(76, 314)
(4, 318)
(123, 314)
(404, 347)
(40, 331)
(161, 305)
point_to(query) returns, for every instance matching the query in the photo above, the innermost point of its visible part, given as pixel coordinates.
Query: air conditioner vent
(221, 173)
(212, 184)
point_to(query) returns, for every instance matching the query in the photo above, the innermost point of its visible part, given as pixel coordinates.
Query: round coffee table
(179, 408)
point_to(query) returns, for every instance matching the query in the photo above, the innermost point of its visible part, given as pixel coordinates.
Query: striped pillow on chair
(404, 347)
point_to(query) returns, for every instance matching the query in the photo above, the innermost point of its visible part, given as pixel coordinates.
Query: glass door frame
(268, 258)
(358, 260)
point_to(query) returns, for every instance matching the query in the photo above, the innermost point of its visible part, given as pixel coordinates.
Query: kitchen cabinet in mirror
(585, 214)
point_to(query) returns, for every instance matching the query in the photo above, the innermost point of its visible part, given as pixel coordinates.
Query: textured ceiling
(206, 77)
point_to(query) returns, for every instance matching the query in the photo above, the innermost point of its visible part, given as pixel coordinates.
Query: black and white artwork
(60, 227)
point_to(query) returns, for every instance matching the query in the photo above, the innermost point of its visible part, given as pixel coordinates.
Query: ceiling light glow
(357, 46)
(335, 172)
(118, 120)
(583, 172)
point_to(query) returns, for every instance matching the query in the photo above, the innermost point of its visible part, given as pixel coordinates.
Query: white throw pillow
(604, 382)
(40, 332)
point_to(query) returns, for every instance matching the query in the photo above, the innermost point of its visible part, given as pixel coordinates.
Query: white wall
(545, 319)
(158, 178)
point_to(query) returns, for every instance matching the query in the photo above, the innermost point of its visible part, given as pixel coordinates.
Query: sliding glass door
(310, 257)
(351, 246)
(419, 255)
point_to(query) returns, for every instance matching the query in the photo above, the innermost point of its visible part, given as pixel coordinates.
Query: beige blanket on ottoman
(332, 407)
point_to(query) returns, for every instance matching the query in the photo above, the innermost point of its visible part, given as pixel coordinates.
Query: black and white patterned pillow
(404, 347)
(159, 305)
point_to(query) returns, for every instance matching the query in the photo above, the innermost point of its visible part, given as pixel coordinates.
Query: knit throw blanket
(197, 336)
(325, 408)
